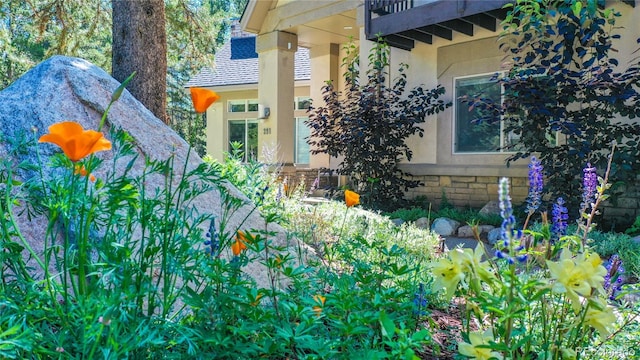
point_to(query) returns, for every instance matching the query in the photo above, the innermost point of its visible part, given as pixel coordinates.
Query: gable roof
(236, 63)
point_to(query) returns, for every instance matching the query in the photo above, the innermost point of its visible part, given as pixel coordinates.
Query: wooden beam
(399, 41)
(482, 20)
(438, 31)
(429, 14)
(417, 35)
(499, 14)
(459, 26)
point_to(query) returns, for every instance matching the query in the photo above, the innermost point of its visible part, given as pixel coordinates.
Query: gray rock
(64, 88)
(445, 226)
(494, 236)
(422, 223)
(397, 222)
(465, 231)
(636, 239)
(491, 208)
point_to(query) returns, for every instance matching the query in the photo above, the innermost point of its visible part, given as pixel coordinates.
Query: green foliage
(540, 296)
(368, 126)
(411, 214)
(467, 216)
(635, 227)
(564, 83)
(608, 244)
(127, 272)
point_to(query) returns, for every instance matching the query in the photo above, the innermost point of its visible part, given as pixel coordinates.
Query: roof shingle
(239, 66)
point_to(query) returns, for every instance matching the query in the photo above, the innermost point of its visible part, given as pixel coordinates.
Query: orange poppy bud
(82, 171)
(203, 98)
(75, 142)
(238, 247)
(319, 299)
(257, 300)
(351, 198)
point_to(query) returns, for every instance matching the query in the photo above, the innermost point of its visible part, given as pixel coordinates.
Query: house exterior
(236, 116)
(447, 42)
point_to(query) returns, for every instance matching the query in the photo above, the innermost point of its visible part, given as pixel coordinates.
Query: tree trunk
(140, 45)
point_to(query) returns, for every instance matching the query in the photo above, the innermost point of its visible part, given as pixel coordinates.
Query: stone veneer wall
(476, 191)
(467, 191)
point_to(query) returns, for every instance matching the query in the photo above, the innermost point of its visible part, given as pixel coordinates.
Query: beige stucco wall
(218, 116)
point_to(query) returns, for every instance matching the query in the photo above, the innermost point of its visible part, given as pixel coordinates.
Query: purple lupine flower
(615, 276)
(420, 301)
(509, 234)
(536, 183)
(315, 185)
(589, 185)
(213, 239)
(559, 219)
(506, 211)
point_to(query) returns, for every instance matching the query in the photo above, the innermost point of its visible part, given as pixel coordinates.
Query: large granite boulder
(64, 88)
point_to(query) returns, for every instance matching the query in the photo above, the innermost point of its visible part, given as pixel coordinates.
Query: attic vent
(243, 48)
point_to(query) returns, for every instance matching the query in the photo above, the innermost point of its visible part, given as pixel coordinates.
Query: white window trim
(295, 141)
(296, 101)
(455, 119)
(502, 134)
(246, 134)
(246, 105)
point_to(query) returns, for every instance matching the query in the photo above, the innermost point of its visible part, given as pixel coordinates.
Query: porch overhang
(403, 22)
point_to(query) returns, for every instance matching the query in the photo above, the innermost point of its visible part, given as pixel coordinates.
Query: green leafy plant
(634, 229)
(566, 97)
(544, 294)
(368, 125)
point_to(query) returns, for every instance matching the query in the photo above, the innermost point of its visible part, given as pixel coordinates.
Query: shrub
(368, 125)
(563, 81)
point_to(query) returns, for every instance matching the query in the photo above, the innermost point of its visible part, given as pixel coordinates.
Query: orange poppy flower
(203, 98)
(82, 171)
(351, 198)
(319, 299)
(75, 142)
(240, 244)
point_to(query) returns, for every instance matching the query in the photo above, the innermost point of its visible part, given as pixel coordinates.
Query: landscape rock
(397, 222)
(636, 239)
(65, 88)
(422, 223)
(445, 226)
(491, 208)
(465, 231)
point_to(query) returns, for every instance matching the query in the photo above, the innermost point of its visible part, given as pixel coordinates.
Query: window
(245, 132)
(471, 136)
(242, 105)
(301, 147)
(302, 103)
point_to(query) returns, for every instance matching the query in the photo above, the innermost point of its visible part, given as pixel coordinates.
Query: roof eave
(254, 14)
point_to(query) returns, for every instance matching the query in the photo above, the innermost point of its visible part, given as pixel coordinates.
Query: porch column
(276, 58)
(324, 67)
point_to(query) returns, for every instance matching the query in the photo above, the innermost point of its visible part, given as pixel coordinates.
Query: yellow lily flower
(591, 265)
(600, 316)
(478, 338)
(448, 273)
(472, 263)
(571, 278)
